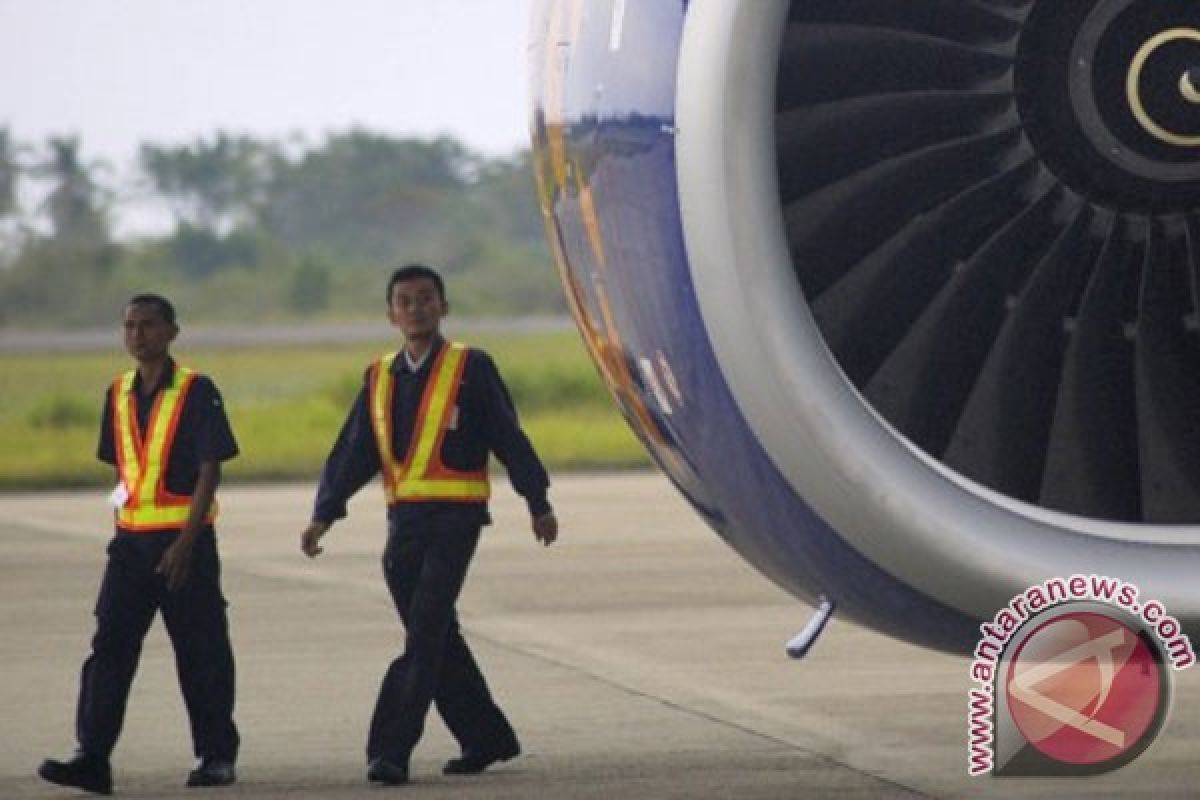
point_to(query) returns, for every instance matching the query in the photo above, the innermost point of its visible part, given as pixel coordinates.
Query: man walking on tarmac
(426, 418)
(165, 431)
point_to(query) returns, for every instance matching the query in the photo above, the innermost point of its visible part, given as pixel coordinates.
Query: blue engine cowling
(844, 280)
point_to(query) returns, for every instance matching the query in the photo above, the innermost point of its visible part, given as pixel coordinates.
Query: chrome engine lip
(964, 545)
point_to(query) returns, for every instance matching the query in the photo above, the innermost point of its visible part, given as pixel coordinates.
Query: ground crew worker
(165, 430)
(426, 418)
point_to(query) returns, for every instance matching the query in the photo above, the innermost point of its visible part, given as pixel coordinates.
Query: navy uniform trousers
(195, 620)
(425, 563)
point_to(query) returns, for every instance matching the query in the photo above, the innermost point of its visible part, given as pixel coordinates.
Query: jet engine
(903, 297)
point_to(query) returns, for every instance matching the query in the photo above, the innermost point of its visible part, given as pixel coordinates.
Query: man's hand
(309, 540)
(176, 562)
(545, 528)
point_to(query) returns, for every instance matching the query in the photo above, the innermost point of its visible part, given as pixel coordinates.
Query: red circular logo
(1085, 688)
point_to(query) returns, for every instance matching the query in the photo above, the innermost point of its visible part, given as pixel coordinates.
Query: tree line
(259, 228)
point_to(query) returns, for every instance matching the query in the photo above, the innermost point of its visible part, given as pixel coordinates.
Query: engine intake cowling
(965, 238)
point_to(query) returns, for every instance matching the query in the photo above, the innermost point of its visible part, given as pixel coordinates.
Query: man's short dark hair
(413, 271)
(165, 310)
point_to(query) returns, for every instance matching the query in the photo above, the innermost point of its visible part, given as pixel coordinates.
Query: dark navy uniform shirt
(203, 434)
(487, 422)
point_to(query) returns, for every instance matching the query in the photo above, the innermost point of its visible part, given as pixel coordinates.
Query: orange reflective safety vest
(421, 476)
(142, 461)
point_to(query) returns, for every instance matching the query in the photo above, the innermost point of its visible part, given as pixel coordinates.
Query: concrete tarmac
(639, 657)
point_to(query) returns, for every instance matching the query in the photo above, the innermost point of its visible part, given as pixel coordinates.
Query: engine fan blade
(1091, 460)
(924, 382)
(1001, 437)
(1167, 363)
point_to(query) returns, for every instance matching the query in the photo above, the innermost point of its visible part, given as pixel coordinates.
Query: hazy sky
(118, 72)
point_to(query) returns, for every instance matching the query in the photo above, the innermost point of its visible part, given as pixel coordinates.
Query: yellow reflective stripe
(129, 460)
(381, 417)
(435, 413)
(142, 518)
(156, 444)
(444, 489)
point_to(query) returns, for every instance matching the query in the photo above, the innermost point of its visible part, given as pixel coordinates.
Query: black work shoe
(212, 772)
(475, 762)
(380, 770)
(81, 771)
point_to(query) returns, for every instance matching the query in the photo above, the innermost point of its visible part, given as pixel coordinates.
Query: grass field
(287, 405)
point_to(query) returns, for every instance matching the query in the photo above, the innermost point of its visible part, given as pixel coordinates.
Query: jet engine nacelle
(903, 297)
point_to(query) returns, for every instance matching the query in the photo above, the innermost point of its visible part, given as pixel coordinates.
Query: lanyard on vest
(142, 460)
(422, 476)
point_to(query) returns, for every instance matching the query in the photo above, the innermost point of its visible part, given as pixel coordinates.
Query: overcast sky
(119, 72)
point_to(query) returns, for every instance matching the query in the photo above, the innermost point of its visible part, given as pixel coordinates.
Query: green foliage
(577, 439)
(341, 391)
(268, 231)
(287, 405)
(511, 281)
(34, 459)
(209, 182)
(552, 387)
(361, 196)
(60, 456)
(199, 252)
(77, 204)
(285, 439)
(310, 286)
(62, 283)
(504, 193)
(61, 410)
(9, 172)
